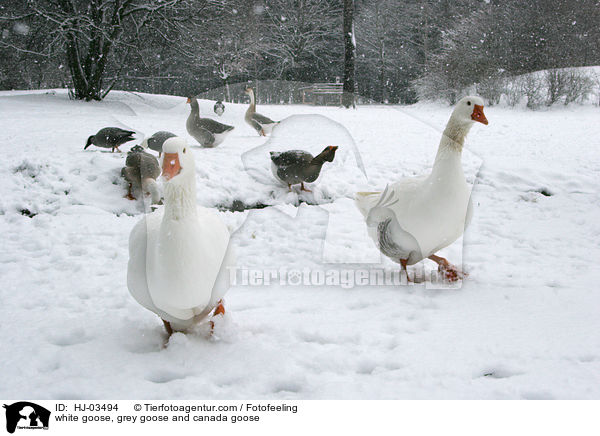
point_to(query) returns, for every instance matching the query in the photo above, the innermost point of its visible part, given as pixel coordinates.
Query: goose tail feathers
(365, 201)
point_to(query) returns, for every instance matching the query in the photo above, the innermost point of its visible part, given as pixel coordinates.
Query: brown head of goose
(263, 125)
(298, 166)
(110, 137)
(209, 133)
(141, 170)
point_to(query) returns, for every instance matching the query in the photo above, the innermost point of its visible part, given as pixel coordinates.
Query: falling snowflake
(21, 28)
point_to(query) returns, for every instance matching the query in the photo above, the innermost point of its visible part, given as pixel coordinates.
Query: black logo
(26, 415)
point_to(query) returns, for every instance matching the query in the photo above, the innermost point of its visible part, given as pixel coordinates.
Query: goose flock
(179, 254)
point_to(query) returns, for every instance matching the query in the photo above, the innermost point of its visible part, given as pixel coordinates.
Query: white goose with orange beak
(416, 217)
(179, 255)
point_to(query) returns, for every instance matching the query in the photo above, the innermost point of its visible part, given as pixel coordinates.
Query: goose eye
(468, 103)
(184, 150)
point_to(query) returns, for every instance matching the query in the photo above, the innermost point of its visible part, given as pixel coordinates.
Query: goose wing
(261, 119)
(213, 126)
(291, 157)
(393, 240)
(116, 133)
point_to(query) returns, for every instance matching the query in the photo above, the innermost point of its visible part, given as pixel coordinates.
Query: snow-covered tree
(227, 44)
(299, 39)
(511, 37)
(90, 32)
(190, 46)
(383, 56)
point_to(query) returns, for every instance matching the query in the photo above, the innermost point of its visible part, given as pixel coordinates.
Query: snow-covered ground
(525, 324)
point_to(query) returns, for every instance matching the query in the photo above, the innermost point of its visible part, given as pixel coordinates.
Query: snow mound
(311, 133)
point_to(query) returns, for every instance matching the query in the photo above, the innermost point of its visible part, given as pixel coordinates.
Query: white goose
(179, 254)
(416, 217)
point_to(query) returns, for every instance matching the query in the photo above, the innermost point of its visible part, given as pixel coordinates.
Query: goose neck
(448, 158)
(320, 158)
(252, 101)
(454, 134)
(180, 200)
(195, 106)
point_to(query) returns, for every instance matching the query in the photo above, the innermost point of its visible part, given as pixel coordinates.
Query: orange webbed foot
(451, 273)
(219, 310)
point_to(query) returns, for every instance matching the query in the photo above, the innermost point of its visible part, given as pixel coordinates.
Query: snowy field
(525, 324)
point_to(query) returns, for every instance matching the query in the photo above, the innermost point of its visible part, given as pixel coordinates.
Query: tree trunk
(382, 71)
(87, 70)
(87, 74)
(350, 54)
(77, 75)
(381, 29)
(382, 83)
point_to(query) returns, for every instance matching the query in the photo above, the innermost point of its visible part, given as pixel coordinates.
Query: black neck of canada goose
(326, 155)
(89, 142)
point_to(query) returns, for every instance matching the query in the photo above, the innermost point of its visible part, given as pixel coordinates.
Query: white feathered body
(179, 257)
(431, 212)
(179, 269)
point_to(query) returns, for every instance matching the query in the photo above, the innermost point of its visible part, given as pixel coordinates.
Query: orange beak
(188, 101)
(478, 114)
(171, 165)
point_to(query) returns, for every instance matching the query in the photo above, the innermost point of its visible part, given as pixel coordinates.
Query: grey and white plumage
(299, 166)
(392, 240)
(141, 170)
(110, 137)
(258, 122)
(414, 218)
(208, 133)
(219, 108)
(156, 141)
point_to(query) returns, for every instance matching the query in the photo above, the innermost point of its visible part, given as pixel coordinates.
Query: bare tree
(298, 37)
(383, 58)
(89, 32)
(556, 81)
(183, 46)
(349, 54)
(226, 44)
(578, 86)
